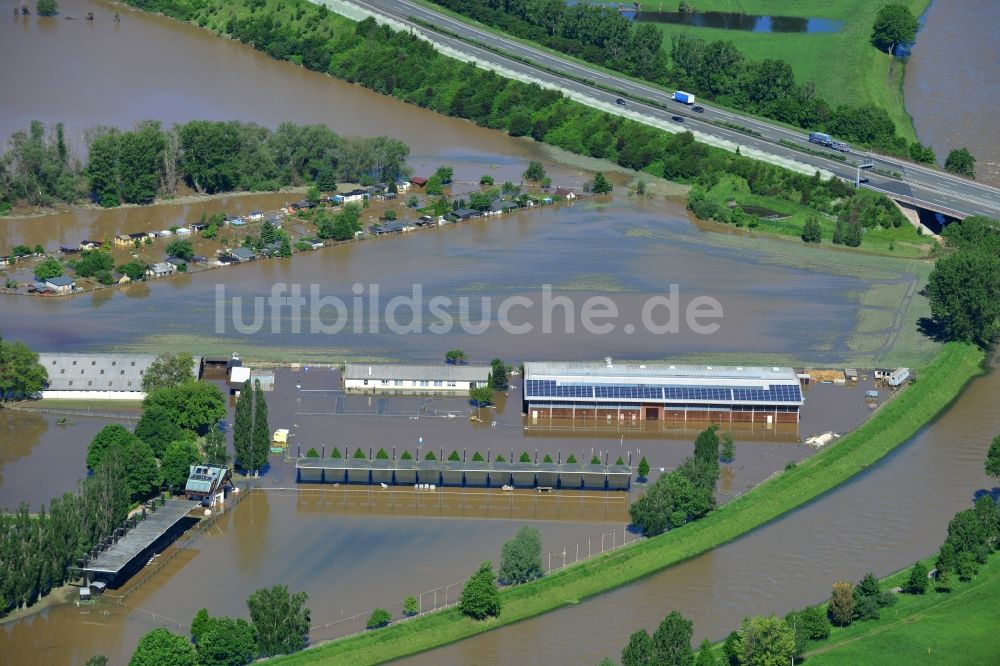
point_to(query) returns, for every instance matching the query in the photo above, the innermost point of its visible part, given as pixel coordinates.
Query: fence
(124, 416)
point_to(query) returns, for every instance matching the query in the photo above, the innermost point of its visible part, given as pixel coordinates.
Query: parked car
(620, 102)
(699, 109)
(677, 119)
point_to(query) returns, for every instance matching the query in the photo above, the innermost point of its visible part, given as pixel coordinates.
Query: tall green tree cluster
(521, 557)
(669, 644)
(37, 168)
(35, 551)
(21, 374)
(251, 430)
(134, 166)
(964, 287)
(685, 494)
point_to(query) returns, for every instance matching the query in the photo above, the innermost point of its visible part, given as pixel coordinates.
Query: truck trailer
(820, 138)
(683, 97)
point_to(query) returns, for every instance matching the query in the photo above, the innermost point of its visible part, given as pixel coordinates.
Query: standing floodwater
(953, 82)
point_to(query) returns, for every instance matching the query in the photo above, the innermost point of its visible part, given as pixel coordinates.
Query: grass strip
(935, 388)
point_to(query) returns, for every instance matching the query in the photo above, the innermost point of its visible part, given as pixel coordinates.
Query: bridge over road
(918, 185)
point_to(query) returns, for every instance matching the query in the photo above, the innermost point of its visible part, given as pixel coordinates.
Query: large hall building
(661, 392)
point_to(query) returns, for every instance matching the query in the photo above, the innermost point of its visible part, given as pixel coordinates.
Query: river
(952, 81)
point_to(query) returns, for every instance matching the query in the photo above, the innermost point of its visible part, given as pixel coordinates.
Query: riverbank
(937, 386)
(923, 629)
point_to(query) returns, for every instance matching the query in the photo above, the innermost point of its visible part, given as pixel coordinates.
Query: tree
(672, 641)
(766, 641)
(445, 174)
(731, 648)
(961, 161)
(947, 560)
(47, 8)
(312, 452)
(159, 647)
(841, 604)
(261, 437)
(705, 655)
(643, 468)
(869, 598)
(359, 454)
(21, 374)
(48, 269)
(280, 619)
(410, 606)
(181, 249)
(945, 582)
(199, 623)
(455, 357)
(812, 232)
(142, 474)
(224, 641)
(193, 405)
(964, 293)
(107, 437)
(215, 449)
(176, 461)
(571, 459)
(728, 448)
(134, 269)
(243, 427)
(894, 25)
(481, 395)
(167, 371)
(917, 583)
(93, 263)
(499, 372)
(535, 171)
(601, 185)
(993, 458)
(521, 557)
(639, 651)
(525, 458)
(378, 619)
(814, 622)
(486, 180)
(480, 596)
(406, 456)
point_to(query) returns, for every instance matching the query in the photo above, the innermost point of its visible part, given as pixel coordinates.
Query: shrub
(480, 596)
(917, 583)
(454, 457)
(571, 459)
(379, 618)
(411, 606)
(312, 453)
(359, 454)
(381, 455)
(477, 457)
(525, 458)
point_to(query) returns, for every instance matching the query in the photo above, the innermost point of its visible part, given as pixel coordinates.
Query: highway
(919, 185)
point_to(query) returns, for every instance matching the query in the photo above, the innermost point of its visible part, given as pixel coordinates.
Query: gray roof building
(242, 254)
(60, 281)
(99, 372)
(460, 373)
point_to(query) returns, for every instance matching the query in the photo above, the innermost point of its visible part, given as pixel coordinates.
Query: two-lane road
(919, 185)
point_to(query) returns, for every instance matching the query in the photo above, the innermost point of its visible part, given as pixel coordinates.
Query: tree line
(136, 166)
(251, 431)
(279, 624)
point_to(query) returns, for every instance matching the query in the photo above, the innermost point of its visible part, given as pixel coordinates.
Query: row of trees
(455, 456)
(279, 624)
(135, 166)
(964, 287)
(36, 550)
(251, 430)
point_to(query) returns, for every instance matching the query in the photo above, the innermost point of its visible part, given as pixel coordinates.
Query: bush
(945, 582)
(454, 457)
(379, 618)
(525, 458)
(477, 457)
(812, 232)
(411, 606)
(815, 624)
(312, 453)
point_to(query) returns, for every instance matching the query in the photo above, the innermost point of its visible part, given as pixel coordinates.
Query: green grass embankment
(902, 241)
(957, 627)
(896, 422)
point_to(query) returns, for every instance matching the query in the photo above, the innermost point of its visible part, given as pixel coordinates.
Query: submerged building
(414, 379)
(661, 392)
(98, 376)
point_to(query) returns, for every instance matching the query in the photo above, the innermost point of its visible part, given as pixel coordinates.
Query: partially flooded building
(98, 376)
(661, 392)
(414, 379)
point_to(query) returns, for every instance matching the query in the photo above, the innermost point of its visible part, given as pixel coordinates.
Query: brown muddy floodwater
(953, 81)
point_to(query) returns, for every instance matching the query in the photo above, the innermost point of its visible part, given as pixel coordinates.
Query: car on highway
(620, 102)
(699, 109)
(677, 119)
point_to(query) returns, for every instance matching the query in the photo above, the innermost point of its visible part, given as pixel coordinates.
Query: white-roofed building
(98, 376)
(414, 379)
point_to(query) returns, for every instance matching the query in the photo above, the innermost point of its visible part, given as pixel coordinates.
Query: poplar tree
(260, 442)
(243, 427)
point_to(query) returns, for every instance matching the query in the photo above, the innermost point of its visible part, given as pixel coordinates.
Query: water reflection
(738, 21)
